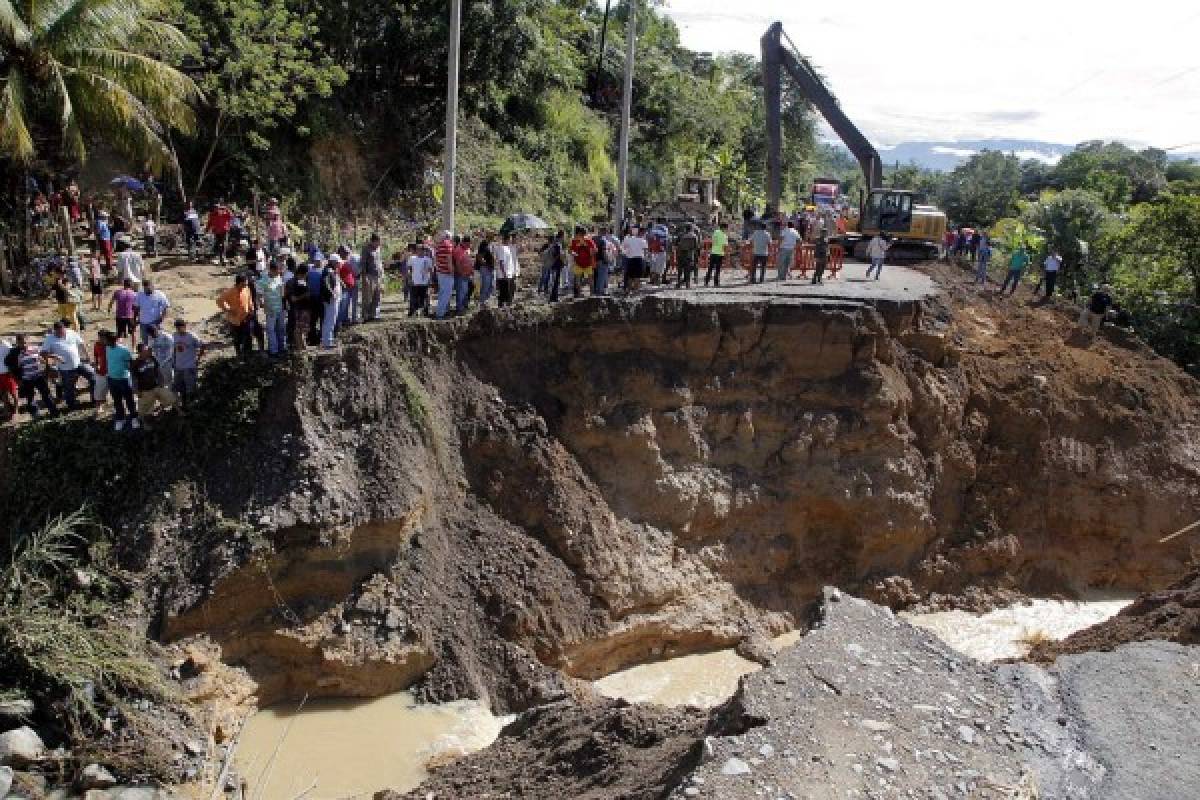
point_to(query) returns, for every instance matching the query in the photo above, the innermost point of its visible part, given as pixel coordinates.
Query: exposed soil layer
(1172, 614)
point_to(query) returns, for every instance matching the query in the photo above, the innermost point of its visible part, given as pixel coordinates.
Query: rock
(766, 751)
(875, 726)
(94, 776)
(21, 747)
(756, 648)
(195, 747)
(967, 734)
(691, 791)
(16, 710)
(735, 766)
(889, 764)
(82, 579)
(6, 779)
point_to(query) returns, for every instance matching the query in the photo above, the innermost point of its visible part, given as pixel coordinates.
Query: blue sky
(1055, 70)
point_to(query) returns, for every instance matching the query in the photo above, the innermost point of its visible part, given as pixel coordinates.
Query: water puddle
(1009, 632)
(704, 679)
(336, 749)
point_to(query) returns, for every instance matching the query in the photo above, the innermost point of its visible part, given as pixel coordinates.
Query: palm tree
(91, 68)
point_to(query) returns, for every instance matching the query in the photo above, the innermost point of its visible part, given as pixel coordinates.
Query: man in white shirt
(129, 265)
(1051, 265)
(876, 252)
(633, 248)
(789, 237)
(64, 347)
(152, 306)
(508, 268)
(150, 236)
(420, 274)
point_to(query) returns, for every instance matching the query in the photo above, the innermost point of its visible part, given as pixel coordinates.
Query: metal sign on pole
(448, 174)
(626, 107)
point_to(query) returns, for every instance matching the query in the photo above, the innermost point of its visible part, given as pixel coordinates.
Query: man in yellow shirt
(716, 256)
(238, 305)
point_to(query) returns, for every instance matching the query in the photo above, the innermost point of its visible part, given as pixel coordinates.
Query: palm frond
(15, 138)
(14, 32)
(155, 36)
(126, 121)
(158, 85)
(72, 135)
(62, 25)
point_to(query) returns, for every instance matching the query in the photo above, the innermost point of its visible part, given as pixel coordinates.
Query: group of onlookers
(141, 371)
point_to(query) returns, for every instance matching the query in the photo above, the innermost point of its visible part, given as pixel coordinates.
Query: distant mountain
(945, 156)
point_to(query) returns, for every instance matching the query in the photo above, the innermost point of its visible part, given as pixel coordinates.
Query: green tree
(82, 68)
(984, 189)
(258, 65)
(1072, 222)
(1144, 171)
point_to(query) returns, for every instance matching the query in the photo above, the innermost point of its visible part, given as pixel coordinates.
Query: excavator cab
(888, 211)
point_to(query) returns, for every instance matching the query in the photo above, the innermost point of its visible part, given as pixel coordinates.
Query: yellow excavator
(916, 229)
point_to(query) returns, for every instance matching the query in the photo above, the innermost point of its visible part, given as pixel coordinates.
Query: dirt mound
(1172, 614)
(600, 750)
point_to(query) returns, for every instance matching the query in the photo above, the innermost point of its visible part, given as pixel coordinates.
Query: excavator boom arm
(777, 57)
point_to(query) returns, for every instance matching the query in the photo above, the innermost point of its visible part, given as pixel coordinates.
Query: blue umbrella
(126, 182)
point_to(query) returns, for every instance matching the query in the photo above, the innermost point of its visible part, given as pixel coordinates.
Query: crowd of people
(282, 300)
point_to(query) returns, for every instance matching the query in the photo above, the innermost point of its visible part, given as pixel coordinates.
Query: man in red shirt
(464, 273)
(443, 260)
(584, 251)
(220, 219)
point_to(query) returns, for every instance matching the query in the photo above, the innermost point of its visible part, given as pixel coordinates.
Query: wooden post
(69, 235)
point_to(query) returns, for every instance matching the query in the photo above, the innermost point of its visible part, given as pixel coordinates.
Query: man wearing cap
(188, 350)
(64, 348)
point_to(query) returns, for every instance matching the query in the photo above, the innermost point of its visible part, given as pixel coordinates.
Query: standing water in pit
(703, 679)
(353, 748)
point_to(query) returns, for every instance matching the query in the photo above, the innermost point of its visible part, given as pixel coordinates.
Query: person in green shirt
(1016, 266)
(716, 256)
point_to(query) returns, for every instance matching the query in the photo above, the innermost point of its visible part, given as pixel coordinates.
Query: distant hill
(945, 156)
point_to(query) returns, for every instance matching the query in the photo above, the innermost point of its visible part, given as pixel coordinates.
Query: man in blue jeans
(120, 385)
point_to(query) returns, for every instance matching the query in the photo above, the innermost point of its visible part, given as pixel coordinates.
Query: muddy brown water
(353, 748)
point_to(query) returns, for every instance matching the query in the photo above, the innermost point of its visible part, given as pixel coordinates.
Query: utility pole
(451, 165)
(626, 107)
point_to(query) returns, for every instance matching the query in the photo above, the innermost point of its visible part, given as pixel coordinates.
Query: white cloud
(1059, 72)
(1037, 155)
(961, 152)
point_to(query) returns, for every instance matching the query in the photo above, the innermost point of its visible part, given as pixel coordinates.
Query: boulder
(21, 747)
(15, 711)
(6, 779)
(94, 776)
